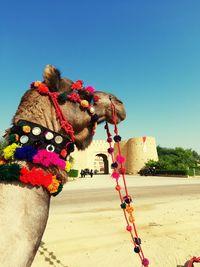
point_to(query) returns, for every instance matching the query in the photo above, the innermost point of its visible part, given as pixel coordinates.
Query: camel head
(38, 108)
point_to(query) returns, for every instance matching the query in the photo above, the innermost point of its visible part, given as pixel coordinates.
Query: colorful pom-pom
(137, 241)
(9, 151)
(137, 249)
(63, 153)
(62, 98)
(13, 138)
(74, 97)
(129, 228)
(114, 165)
(53, 187)
(43, 88)
(123, 205)
(2, 162)
(109, 139)
(127, 199)
(129, 209)
(115, 175)
(68, 166)
(90, 89)
(122, 170)
(131, 219)
(110, 150)
(84, 103)
(94, 118)
(145, 262)
(37, 83)
(117, 138)
(25, 153)
(77, 85)
(96, 98)
(26, 129)
(70, 147)
(118, 187)
(120, 159)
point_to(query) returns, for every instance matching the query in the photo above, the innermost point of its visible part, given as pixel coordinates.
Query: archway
(101, 164)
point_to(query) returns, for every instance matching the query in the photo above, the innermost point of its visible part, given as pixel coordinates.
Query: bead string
(118, 169)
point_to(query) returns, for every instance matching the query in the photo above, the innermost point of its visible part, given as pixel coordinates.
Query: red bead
(129, 228)
(63, 153)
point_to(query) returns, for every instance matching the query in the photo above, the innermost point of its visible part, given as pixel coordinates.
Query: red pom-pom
(77, 85)
(43, 89)
(122, 170)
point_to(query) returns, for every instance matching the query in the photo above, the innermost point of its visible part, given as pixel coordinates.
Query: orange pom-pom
(84, 103)
(26, 129)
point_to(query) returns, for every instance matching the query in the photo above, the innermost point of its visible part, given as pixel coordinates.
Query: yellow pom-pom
(9, 151)
(84, 103)
(68, 166)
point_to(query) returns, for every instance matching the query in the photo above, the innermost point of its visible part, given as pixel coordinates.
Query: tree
(175, 159)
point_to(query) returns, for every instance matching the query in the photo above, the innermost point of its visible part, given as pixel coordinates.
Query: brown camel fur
(25, 209)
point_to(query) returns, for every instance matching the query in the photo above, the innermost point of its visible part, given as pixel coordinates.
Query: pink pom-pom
(129, 228)
(145, 262)
(47, 159)
(90, 89)
(120, 159)
(115, 175)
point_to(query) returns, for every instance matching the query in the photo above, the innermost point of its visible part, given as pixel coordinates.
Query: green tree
(175, 159)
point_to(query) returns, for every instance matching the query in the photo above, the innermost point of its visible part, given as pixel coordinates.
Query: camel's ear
(52, 77)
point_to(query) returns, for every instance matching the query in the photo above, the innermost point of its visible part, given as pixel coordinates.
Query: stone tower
(137, 151)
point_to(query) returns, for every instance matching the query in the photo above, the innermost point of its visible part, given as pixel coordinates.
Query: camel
(24, 207)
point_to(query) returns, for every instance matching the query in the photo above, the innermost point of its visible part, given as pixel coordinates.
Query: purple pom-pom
(25, 153)
(110, 150)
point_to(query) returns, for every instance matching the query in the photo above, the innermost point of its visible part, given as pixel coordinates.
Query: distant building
(137, 151)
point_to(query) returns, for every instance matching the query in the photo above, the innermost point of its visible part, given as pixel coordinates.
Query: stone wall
(137, 151)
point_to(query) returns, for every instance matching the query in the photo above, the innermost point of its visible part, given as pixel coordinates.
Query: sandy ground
(86, 226)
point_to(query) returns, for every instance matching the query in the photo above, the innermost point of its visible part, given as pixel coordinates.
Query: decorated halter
(126, 200)
(36, 144)
(80, 94)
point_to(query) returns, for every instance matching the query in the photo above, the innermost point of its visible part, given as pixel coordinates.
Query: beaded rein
(118, 169)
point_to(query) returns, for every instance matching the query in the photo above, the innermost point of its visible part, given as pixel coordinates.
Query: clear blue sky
(145, 52)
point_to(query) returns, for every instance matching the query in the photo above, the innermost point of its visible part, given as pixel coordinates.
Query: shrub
(73, 173)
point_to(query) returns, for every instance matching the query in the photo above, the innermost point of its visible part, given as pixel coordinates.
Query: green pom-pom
(59, 190)
(12, 138)
(123, 205)
(62, 98)
(9, 172)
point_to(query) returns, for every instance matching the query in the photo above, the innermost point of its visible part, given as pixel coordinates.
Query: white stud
(36, 131)
(49, 135)
(24, 139)
(58, 139)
